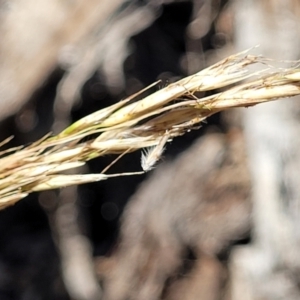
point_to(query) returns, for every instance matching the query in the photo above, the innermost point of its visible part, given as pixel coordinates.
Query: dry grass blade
(130, 125)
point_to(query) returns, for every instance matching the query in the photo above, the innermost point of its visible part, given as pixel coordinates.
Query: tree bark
(259, 271)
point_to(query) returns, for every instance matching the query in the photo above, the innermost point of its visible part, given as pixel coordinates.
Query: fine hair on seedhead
(151, 155)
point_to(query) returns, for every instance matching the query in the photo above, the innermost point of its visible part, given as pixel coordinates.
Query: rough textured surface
(268, 268)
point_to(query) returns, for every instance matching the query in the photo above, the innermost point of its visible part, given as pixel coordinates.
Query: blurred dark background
(29, 262)
(62, 61)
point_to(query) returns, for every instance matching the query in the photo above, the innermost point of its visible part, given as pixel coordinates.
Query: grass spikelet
(131, 125)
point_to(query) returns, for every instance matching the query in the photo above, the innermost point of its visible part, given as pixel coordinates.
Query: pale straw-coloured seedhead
(147, 123)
